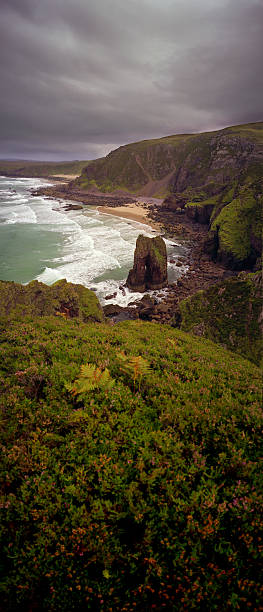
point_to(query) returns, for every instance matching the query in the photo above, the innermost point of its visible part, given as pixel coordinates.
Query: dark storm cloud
(78, 78)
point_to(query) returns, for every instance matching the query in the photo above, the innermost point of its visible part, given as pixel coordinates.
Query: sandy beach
(67, 177)
(135, 212)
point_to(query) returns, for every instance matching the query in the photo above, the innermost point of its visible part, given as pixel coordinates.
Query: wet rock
(111, 297)
(111, 310)
(73, 207)
(162, 308)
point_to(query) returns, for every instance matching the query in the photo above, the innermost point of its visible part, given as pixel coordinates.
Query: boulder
(73, 207)
(111, 297)
(173, 202)
(111, 310)
(150, 265)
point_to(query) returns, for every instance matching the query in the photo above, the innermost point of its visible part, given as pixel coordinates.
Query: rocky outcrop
(235, 232)
(174, 203)
(150, 265)
(200, 213)
(62, 299)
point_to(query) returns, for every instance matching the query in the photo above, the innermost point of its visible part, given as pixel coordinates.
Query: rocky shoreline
(202, 271)
(64, 191)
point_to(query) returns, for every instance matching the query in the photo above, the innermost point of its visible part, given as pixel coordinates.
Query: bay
(39, 240)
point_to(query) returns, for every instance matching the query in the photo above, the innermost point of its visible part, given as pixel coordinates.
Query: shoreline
(133, 212)
(175, 226)
(124, 206)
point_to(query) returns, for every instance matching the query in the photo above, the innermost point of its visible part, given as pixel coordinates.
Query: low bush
(140, 495)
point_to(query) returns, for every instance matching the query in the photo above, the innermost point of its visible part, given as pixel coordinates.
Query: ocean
(40, 240)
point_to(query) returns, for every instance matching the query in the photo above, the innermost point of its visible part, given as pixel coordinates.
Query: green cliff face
(215, 176)
(197, 164)
(235, 234)
(229, 313)
(61, 299)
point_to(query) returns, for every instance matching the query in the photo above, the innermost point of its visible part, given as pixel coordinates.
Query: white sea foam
(90, 248)
(49, 276)
(20, 214)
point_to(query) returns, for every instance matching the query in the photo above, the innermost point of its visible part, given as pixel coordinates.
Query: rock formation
(150, 264)
(60, 299)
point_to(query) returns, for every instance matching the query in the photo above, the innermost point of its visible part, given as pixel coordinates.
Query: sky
(82, 77)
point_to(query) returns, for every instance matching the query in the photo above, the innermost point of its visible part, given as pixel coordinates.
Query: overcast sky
(80, 77)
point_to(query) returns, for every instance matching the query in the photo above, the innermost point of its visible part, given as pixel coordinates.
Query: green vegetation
(61, 299)
(213, 200)
(155, 164)
(238, 221)
(131, 476)
(217, 177)
(138, 495)
(248, 130)
(229, 313)
(41, 169)
(90, 378)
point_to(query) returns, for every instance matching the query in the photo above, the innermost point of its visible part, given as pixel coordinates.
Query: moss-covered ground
(145, 494)
(238, 219)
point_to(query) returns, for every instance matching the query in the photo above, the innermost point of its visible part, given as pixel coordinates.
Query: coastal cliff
(187, 164)
(214, 178)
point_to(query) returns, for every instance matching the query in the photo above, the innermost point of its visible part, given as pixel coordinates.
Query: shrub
(132, 499)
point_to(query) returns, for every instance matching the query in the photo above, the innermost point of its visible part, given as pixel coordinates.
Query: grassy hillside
(41, 169)
(61, 299)
(229, 313)
(157, 166)
(131, 484)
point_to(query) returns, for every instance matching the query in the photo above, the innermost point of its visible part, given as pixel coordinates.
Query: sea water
(40, 240)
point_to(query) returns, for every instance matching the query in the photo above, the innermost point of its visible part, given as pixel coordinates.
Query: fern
(91, 378)
(137, 367)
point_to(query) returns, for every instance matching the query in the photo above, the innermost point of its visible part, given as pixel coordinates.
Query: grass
(141, 496)
(207, 202)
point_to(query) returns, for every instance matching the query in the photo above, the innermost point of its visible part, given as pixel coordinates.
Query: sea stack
(150, 265)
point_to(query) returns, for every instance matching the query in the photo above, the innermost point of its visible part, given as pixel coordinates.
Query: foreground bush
(144, 493)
